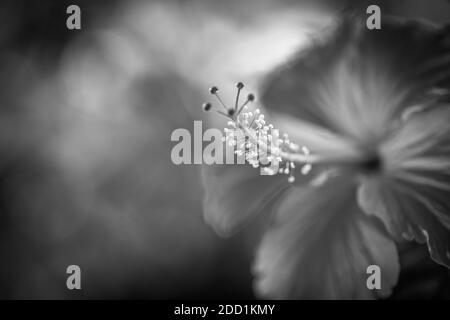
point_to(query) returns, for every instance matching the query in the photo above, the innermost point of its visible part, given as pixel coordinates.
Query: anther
(306, 169)
(213, 90)
(239, 86)
(206, 106)
(250, 98)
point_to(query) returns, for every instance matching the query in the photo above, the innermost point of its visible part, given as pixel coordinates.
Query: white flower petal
(236, 193)
(321, 246)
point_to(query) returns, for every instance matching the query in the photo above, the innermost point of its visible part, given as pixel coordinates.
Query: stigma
(258, 141)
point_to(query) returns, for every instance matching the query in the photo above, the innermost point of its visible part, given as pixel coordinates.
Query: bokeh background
(85, 121)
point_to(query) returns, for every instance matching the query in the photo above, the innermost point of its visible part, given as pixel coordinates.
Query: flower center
(372, 164)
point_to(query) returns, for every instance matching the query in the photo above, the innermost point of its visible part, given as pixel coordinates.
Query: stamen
(291, 178)
(253, 119)
(206, 106)
(239, 86)
(306, 169)
(213, 91)
(223, 114)
(250, 98)
(260, 144)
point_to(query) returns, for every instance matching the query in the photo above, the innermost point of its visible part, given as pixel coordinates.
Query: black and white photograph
(225, 156)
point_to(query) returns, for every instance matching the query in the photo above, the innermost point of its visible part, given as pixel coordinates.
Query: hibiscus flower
(373, 108)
